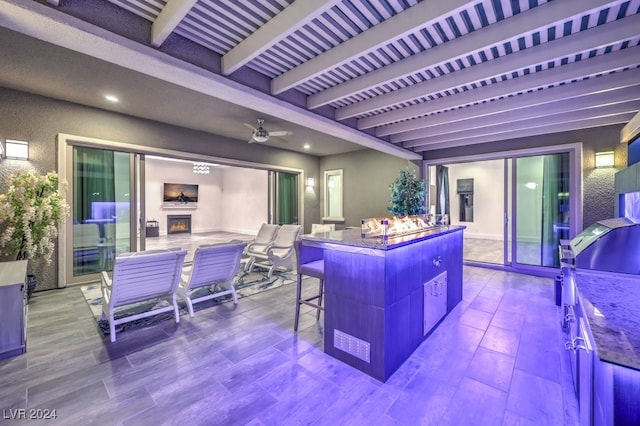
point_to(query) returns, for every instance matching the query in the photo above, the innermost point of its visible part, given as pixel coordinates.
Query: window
(333, 195)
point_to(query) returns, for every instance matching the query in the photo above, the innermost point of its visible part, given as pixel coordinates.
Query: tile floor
(497, 359)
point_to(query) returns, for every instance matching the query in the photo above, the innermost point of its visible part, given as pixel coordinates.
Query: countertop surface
(12, 273)
(354, 238)
(612, 305)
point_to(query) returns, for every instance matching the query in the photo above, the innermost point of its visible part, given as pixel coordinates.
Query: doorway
(516, 208)
(116, 197)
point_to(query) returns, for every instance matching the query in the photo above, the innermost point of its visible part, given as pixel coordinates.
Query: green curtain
(287, 198)
(93, 178)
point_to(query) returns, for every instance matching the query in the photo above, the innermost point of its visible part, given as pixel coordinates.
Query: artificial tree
(408, 194)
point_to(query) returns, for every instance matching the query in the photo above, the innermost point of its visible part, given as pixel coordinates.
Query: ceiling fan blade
(281, 133)
(250, 126)
(277, 139)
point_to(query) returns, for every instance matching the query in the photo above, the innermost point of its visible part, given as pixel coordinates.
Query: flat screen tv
(179, 193)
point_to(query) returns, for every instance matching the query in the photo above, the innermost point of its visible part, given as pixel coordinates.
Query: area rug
(247, 284)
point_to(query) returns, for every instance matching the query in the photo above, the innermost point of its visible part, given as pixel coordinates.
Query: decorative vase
(31, 285)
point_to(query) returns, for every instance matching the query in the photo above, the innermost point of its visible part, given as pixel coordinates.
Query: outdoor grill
(608, 245)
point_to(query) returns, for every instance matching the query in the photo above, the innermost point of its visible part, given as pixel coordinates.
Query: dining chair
(309, 262)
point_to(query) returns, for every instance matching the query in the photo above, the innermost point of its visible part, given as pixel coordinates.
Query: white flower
(30, 213)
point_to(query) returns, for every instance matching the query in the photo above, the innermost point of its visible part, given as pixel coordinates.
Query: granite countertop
(353, 237)
(13, 272)
(612, 305)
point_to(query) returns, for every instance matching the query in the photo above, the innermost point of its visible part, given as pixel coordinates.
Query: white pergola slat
(421, 127)
(403, 23)
(556, 127)
(593, 38)
(618, 60)
(170, 17)
(282, 25)
(507, 29)
(618, 101)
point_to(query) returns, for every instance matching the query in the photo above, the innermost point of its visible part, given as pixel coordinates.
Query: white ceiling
(404, 77)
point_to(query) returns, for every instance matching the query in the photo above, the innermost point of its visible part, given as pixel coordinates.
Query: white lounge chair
(138, 277)
(266, 234)
(278, 254)
(212, 264)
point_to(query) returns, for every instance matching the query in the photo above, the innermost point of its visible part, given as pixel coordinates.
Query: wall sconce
(310, 182)
(605, 159)
(17, 150)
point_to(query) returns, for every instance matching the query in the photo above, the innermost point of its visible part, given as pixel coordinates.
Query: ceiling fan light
(261, 135)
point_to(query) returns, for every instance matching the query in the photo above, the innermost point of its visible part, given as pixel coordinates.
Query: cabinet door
(435, 301)
(11, 318)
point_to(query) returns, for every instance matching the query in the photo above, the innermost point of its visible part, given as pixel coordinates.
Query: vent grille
(352, 345)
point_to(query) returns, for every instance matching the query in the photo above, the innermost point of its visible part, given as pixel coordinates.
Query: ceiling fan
(261, 135)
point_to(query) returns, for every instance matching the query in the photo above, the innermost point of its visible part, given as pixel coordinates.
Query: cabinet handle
(576, 344)
(437, 261)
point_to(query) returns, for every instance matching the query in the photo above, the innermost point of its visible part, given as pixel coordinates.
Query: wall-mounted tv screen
(176, 193)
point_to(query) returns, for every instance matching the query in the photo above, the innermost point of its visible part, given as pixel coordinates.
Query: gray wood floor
(497, 359)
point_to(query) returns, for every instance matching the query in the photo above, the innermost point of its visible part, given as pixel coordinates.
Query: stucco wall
(367, 176)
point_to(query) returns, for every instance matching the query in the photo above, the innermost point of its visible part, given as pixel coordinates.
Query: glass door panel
(476, 199)
(542, 208)
(101, 208)
(508, 218)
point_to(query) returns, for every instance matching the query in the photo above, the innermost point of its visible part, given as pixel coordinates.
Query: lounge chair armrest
(106, 287)
(271, 252)
(261, 247)
(106, 281)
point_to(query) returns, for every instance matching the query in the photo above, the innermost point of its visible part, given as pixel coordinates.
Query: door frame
(575, 199)
(64, 141)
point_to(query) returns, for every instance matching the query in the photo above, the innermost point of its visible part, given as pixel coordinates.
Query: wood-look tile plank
(244, 365)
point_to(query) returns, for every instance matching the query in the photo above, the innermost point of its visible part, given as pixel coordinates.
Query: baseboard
(480, 236)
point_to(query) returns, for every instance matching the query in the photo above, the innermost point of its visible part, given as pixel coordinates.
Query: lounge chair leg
(112, 330)
(233, 293)
(189, 306)
(176, 311)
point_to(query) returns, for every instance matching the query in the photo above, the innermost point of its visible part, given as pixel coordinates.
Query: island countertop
(353, 237)
(611, 302)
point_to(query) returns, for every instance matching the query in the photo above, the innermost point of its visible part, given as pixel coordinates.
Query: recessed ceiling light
(306, 146)
(111, 98)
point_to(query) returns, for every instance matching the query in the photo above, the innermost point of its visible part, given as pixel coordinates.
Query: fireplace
(178, 224)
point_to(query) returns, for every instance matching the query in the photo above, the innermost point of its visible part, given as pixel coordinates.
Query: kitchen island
(384, 295)
(609, 307)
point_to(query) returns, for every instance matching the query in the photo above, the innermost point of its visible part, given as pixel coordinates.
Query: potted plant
(408, 194)
(30, 212)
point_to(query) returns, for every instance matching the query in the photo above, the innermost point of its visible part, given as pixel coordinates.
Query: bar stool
(309, 262)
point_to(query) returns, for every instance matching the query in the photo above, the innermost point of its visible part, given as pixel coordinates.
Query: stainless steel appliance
(608, 245)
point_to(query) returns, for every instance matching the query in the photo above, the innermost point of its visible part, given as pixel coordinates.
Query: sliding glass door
(103, 211)
(542, 208)
(515, 209)
(472, 194)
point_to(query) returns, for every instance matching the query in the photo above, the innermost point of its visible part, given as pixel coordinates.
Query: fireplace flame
(178, 226)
